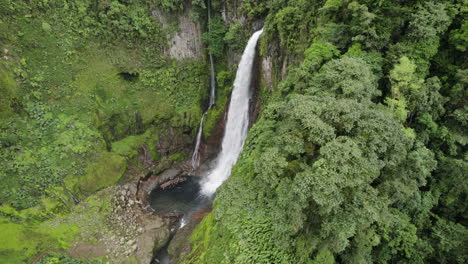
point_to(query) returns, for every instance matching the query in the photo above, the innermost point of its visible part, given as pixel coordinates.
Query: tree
(214, 38)
(405, 86)
(347, 78)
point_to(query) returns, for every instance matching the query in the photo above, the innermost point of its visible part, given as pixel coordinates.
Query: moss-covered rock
(9, 91)
(106, 171)
(128, 147)
(25, 241)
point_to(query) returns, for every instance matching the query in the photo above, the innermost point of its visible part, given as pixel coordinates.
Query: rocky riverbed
(114, 225)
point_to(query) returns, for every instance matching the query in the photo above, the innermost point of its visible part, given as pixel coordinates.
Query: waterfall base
(181, 199)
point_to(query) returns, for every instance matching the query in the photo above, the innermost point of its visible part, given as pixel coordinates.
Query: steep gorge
(358, 154)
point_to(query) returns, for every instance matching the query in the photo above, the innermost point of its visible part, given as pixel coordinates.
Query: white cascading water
(212, 83)
(237, 123)
(196, 151)
(212, 69)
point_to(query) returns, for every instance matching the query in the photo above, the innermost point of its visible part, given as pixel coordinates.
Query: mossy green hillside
(83, 87)
(55, 258)
(75, 96)
(9, 91)
(106, 172)
(29, 237)
(128, 147)
(24, 242)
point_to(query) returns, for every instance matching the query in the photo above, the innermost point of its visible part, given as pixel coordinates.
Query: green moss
(64, 234)
(89, 217)
(55, 258)
(31, 237)
(9, 92)
(45, 210)
(177, 91)
(128, 146)
(24, 242)
(58, 202)
(179, 156)
(17, 246)
(78, 103)
(103, 173)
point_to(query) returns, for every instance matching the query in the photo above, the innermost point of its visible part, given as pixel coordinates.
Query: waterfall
(212, 83)
(237, 121)
(196, 151)
(212, 69)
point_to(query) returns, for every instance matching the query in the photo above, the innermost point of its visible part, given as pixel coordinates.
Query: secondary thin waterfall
(237, 122)
(196, 151)
(212, 83)
(212, 69)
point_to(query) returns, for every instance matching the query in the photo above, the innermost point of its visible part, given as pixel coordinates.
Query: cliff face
(184, 40)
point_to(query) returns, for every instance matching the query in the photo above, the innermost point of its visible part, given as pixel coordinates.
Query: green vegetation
(215, 37)
(359, 155)
(24, 243)
(235, 37)
(31, 232)
(56, 258)
(224, 81)
(83, 85)
(74, 99)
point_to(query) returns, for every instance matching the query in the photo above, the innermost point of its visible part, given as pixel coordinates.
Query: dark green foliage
(358, 158)
(235, 37)
(315, 56)
(9, 91)
(254, 8)
(287, 21)
(347, 77)
(171, 5)
(421, 41)
(459, 37)
(318, 53)
(450, 239)
(56, 258)
(214, 38)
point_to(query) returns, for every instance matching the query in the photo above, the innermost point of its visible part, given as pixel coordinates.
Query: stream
(184, 198)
